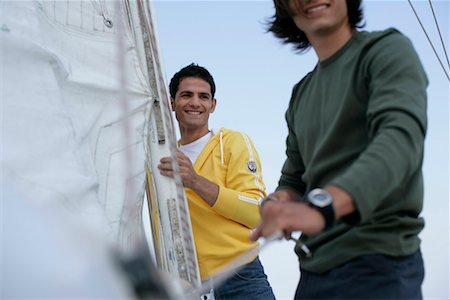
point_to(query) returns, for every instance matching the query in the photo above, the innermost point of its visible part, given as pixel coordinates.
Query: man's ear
(172, 103)
(213, 105)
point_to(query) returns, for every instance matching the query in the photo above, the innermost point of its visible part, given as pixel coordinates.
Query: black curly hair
(192, 70)
(284, 28)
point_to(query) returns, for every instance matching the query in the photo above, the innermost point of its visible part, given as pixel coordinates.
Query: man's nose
(195, 100)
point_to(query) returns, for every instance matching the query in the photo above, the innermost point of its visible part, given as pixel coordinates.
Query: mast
(171, 226)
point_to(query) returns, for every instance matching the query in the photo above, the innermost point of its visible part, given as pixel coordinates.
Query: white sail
(80, 83)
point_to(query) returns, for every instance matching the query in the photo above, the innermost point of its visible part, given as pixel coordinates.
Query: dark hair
(193, 70)
(284, 28)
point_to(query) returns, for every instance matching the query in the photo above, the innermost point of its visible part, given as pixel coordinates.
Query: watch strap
(328, 214)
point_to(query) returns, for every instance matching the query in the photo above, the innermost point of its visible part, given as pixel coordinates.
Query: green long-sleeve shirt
(358, 121)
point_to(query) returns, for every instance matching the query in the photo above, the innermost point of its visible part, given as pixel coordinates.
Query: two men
(221, 173)
(352, 180)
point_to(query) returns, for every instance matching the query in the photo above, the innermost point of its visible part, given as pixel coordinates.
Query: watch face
(319, 198)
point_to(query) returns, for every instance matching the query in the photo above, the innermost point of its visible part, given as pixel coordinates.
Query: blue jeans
(367, 277)
(249, 283)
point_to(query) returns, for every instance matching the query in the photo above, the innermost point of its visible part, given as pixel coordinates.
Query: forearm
(206, 189)
(382, 168)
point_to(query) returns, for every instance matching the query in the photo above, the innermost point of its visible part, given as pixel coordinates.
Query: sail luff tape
(176, 230)
(159, 122)
(166, 134)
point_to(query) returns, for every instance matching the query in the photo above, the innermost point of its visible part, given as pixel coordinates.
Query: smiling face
(318, 18)
(192, 105)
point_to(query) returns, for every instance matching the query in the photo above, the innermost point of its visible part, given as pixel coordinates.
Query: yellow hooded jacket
(221, 232)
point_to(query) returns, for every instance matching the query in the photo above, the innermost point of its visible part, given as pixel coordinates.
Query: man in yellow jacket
(222, 176)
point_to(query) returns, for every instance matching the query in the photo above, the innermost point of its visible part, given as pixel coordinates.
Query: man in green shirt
(352, 181)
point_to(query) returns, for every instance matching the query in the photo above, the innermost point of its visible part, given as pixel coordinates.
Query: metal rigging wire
(439, 31)
(429, 40)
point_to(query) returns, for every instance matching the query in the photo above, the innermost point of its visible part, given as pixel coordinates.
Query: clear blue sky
(255, 74)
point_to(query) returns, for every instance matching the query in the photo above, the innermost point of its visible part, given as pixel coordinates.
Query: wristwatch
(323, 202)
